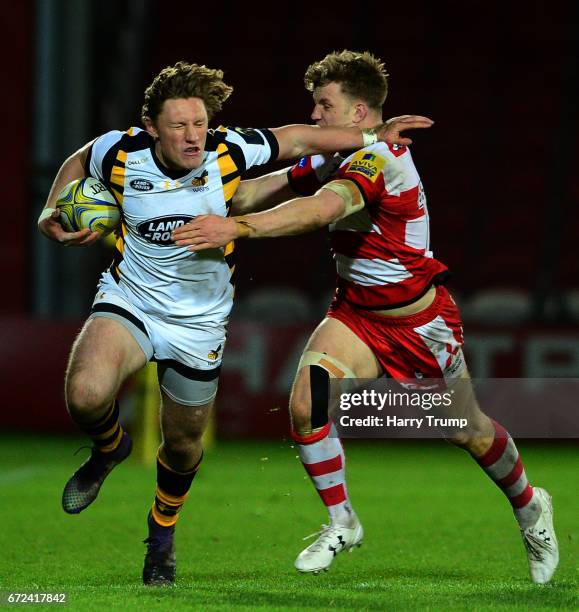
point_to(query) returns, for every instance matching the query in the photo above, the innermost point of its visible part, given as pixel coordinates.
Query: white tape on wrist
(47, 212)
(369, 136)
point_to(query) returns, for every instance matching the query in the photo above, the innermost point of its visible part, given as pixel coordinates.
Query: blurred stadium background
(499, 167)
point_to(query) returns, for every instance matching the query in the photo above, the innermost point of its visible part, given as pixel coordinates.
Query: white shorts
(188, 353)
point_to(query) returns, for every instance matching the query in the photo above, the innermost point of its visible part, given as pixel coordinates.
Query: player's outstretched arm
(48, 221)
(299, 140)
(262, 193)
(333, 201)
(273, 188)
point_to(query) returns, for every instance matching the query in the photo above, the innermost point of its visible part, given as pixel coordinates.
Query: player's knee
(300, 414)
(310, 411)
(84, 396)
(181, 437)
(181, 449)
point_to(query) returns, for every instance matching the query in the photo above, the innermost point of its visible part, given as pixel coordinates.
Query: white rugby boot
(333, 539)
(541, 542)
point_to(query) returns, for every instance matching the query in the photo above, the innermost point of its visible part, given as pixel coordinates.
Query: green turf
(439, 535)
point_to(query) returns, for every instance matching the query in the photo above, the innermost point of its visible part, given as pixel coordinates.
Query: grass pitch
(439, 535)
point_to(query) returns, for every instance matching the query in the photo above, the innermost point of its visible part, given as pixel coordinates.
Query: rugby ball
(88, 203)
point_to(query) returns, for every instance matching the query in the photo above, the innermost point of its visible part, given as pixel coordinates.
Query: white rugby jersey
(382, 252)
(157, 276)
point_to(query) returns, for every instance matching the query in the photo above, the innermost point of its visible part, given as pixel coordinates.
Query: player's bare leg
(333, 351)
(178, 460)
(495, 451)
(102, 357)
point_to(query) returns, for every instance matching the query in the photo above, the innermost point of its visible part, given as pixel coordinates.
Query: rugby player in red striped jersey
(391, 312)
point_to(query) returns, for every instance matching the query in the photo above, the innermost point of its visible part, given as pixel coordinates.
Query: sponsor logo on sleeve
(141, 184)
(367, 164)
(158, 231)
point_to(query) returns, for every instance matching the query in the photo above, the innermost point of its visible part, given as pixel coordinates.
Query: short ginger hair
(361, 75)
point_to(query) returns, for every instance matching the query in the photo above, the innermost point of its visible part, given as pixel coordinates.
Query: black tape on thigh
(319, 388)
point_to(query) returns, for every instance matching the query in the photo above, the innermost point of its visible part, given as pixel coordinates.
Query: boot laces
(325, 534)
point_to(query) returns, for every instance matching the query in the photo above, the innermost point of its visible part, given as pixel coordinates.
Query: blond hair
(184, 80)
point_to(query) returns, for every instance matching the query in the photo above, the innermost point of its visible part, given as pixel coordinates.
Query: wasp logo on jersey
(141, 184)
(158, 231)
(367, 164)
(214, 354)
(200, 181)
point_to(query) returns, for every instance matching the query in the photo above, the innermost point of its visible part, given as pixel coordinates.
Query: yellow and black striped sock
(107, 432)
(172, 490)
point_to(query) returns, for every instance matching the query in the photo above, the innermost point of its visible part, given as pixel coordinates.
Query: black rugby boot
(160, 564)
(84, 485)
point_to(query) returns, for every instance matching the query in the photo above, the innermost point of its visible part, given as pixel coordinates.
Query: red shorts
(424, 345)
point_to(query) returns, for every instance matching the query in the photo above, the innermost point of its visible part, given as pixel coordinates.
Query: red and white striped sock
(325, 462)
(503, 464)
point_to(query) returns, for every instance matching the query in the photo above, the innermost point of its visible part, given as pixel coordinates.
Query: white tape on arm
(47, 212)
(369, 136)
(349, 193)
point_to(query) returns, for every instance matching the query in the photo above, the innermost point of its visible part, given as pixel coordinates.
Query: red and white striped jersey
(382, 252)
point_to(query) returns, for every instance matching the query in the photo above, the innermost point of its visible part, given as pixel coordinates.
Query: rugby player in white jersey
(158, 300)
(391, 313)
